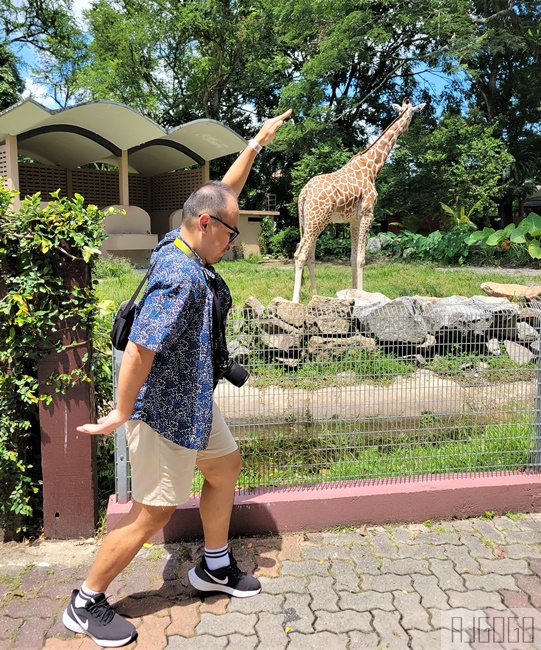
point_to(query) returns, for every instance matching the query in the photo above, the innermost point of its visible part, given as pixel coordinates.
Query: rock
(504, 314)
(430, 342)
(290, 312)
(318, 345)
(531, 314)
(399, 321)
(239, 348)
(453, 313)
(511, 291)
(332, 316)
(288, 362)
(253, 308)
(526, 332)
(373, 245)
(493, 347)
(365, 301)
(518, 353)
(281, 344)
(274, 325)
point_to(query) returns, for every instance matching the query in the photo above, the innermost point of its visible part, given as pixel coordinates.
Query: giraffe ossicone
(348, 194)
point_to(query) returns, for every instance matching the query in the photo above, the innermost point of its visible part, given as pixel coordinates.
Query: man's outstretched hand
(105, 425)
(268, 130)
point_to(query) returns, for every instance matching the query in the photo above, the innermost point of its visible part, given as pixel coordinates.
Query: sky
(34, 89)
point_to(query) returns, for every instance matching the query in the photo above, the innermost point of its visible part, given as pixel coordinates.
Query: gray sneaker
(230, 579)
(99, 621)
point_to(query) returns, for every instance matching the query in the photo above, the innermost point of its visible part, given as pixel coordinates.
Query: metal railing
(341, 394)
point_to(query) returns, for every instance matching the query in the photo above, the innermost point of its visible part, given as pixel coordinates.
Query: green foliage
(46, 303)
(11, 83)
(284, 243)
(526, 235)
(443, 247)
(112, 266)
(267, 231)
(455, 163)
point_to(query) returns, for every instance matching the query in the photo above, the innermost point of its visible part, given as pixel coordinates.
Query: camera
(234, 373)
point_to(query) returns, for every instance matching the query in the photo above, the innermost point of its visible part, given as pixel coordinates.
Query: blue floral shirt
(174, 319)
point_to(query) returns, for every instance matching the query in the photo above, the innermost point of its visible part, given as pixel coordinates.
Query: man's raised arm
(238, 172)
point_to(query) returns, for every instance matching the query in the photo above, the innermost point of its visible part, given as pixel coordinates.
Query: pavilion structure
(43, 150)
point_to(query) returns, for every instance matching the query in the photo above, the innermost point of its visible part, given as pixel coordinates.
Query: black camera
(234, 373)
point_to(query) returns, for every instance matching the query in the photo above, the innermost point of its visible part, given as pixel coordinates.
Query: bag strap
(131, 301)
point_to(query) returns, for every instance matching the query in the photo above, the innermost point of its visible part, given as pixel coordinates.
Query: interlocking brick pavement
(376, 587)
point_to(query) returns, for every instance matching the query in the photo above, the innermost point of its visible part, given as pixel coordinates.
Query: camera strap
(218, 330)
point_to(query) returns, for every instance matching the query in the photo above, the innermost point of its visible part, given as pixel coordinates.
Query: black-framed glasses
(235, 232)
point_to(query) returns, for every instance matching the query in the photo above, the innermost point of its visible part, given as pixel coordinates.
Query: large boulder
(511, 291)
(399, 321)
(329, 316)
(454, 314)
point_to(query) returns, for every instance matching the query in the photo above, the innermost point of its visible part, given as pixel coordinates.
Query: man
(165, 387)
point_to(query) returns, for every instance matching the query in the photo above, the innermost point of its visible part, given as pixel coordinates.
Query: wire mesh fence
(343, 392)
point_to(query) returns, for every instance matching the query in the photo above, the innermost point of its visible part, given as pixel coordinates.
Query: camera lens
(235, 373)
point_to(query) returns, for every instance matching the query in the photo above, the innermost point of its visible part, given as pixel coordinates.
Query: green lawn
(265, 281)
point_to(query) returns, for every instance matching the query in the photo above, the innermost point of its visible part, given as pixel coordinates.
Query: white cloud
(78, 7)
(39, 93)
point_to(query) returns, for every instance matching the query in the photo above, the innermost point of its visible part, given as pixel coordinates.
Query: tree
(457, 161)
(11, 83)
(47, 26)
(500, 54)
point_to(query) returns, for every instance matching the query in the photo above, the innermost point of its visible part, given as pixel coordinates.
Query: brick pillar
(68, 458)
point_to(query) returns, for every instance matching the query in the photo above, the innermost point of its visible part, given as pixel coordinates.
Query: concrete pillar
(123, 179)
(206, 171)
(12, 164)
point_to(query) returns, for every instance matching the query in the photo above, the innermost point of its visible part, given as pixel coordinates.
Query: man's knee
(152, 518)
(225, 469)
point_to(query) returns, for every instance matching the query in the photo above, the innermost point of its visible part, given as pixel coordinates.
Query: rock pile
(413, 327)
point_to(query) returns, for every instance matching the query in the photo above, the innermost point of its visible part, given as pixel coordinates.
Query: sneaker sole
(73, 626)
(203, 585)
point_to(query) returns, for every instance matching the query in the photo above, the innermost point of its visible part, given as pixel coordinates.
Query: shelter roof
(99, 131)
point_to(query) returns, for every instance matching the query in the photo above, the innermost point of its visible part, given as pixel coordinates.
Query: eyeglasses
(235, 232)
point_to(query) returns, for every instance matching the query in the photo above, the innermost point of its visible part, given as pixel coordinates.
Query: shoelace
(101, 609)
(234, 567)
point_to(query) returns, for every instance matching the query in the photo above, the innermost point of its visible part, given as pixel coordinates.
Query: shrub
(285, 242)
(39, 248)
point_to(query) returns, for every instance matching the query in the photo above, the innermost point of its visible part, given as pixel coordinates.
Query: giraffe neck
(375, 156)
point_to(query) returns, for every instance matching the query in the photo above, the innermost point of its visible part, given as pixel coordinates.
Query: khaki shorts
(162, 471)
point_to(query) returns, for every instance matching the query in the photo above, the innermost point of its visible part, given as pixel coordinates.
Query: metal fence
(341, 392)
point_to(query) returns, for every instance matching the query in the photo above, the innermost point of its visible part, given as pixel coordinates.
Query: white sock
(84, 595)
(217, 558)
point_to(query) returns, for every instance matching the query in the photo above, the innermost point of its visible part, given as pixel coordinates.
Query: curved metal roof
(98, 131)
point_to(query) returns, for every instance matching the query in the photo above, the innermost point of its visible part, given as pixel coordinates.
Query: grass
(286, 460)
(265, 281)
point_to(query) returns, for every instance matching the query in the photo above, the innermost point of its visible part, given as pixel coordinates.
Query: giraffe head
(408, 106)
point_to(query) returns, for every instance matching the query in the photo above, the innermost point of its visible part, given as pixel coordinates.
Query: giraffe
(348, 194)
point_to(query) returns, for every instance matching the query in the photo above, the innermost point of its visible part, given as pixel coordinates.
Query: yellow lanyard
(184, 248)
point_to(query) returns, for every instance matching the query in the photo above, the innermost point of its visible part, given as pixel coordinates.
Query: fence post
(68, 458)
(537, 456)
(121, 445)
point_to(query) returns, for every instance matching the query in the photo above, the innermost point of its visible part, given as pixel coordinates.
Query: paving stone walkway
(458, 584)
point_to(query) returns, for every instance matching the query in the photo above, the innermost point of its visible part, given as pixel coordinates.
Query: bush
(39, 249)
(442, 247)
(285, 242)
(111, 266)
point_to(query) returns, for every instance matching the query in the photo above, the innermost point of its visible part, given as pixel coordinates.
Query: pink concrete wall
(413, 499)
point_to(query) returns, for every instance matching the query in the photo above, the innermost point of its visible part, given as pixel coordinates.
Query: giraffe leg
(366, 220)
(303, 255)
(355, 270)
(312, 269)
(298, 282)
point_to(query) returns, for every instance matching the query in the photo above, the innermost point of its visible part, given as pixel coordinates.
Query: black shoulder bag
(124, 319)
